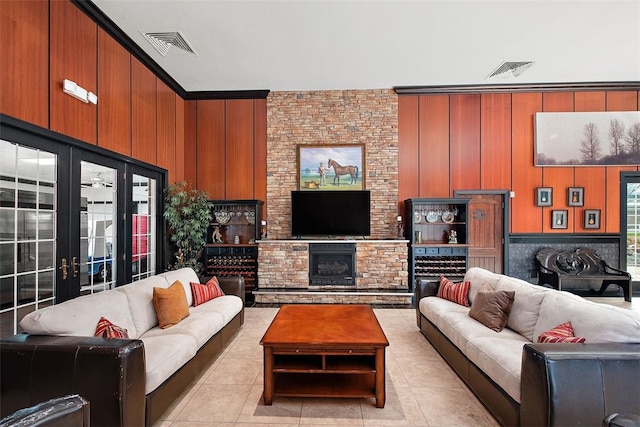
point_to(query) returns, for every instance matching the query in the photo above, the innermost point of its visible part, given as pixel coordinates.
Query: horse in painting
(343, 170)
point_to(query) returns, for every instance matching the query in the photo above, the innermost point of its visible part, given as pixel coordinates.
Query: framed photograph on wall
(331, 167)
(592, 218)
(575, 196)
(544, 196)
(559, 219)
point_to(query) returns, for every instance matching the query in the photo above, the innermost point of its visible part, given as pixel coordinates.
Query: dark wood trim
(525, 87)
(226, 94)
(564, 238)
(10, 126)
(104, 22)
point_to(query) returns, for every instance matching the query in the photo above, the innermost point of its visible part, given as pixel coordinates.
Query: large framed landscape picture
(587, 139)
(331, 167)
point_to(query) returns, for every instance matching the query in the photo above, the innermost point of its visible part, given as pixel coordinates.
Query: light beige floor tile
(233, 370)
(281, 411)
(430, 374)
(400, 409)
(451, 407)
(215, 403)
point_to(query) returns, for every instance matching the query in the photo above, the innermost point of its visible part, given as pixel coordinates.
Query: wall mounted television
(330, 213)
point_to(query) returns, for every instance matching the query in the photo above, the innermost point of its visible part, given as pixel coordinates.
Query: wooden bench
(556, 266)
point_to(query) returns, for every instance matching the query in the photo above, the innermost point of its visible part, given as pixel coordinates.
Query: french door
(73, 221)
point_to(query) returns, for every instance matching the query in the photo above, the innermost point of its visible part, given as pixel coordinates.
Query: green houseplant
(188, 214)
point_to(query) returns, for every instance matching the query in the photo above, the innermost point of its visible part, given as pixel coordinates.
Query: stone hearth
(381, 274)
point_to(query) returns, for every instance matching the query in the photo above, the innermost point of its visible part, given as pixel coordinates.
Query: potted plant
(188, 214)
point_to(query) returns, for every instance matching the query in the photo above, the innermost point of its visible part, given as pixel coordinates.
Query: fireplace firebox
(332, 264)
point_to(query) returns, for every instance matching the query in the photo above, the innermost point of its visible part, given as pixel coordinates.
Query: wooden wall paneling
(114, 95)
(560, 179)
(24, 27)
(557, 102)
(166, 129)
(190, 143)
(73, 55)
(239, 149)
(594, 180)
(143, 112)
(591, 101)
(526, 217)
(210, 148)
(464, 122)
(408, 149)
(495, 141)
(622, 101)
(260, 151)
(180, 138)
(434, 146)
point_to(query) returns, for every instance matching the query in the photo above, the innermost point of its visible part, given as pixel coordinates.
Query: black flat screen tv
(330, 213)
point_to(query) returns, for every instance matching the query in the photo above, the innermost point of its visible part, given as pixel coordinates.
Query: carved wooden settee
(557, 266)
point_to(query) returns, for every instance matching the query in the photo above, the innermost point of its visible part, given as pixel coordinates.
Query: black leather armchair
(67, 411)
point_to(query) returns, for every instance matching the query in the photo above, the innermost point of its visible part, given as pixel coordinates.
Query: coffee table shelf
(328, 364)
(324, 385)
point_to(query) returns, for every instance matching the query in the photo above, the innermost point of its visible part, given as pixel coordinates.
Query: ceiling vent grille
(162, 42)
(510, 69)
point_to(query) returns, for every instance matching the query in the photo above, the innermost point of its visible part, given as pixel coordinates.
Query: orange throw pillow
(170, 304)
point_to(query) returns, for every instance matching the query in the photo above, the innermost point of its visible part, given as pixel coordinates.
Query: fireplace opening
(332, 264)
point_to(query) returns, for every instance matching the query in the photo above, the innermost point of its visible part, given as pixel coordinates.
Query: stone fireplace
(332, 264)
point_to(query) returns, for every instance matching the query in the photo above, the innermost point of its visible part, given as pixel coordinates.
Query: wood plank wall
(450, 142)
(216, 145)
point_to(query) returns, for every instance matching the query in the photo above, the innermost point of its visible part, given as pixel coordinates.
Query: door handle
(63, 267)
(74, 265)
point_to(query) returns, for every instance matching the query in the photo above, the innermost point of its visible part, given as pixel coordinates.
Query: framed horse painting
(331, 167)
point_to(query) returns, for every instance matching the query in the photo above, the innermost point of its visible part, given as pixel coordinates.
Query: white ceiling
(362, 44)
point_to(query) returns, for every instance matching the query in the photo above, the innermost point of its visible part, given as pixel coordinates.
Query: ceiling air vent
(163, 41)
(510, 69)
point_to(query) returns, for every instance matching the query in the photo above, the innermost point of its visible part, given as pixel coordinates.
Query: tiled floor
(421, 388)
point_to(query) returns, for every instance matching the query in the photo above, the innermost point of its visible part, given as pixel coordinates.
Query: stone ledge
(301, 296)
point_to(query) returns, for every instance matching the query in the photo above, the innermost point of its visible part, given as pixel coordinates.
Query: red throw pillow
(208, 291)
(560, 334)
(106, 329)
(456, 292)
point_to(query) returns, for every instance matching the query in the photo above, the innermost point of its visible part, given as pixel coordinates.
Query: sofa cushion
(560, 334)
(491, 308)
(106, 329)
(140, 298)
(456, 292)
(185, 276)
(170, 304)
(201, 326)
(526, 304)
(227, 306)
(477, 277)
(164, 354)
(500, 357)
(597, 323)
(79, 316)
(203, 293)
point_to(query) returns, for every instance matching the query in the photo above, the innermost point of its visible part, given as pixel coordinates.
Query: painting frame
(559, 218)
(544, 196)
(586, 138)
(575, 196)
(313, 160)
(592, 218)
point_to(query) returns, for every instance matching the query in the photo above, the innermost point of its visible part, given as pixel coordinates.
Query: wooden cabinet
(437, 230)
(231, 248)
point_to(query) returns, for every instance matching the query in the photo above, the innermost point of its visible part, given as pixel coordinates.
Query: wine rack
(437, 230)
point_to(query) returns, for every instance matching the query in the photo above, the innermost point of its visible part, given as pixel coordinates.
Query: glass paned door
(633, 228)
(28, 215)
(98, 230)
(143, 226)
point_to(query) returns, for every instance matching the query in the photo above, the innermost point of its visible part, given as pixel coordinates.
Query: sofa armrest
(424, 288)
(232, 286)
(108, 373)
(578, 384)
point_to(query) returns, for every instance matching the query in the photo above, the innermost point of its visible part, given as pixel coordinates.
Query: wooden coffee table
(325, 350)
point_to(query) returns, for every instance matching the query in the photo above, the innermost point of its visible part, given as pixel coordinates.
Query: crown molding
(526, 87)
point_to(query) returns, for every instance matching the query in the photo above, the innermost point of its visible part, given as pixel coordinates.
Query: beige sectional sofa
(151, 368)
(526, 383)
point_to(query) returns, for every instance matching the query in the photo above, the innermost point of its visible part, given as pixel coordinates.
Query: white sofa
(171, 357)
(492, 363)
